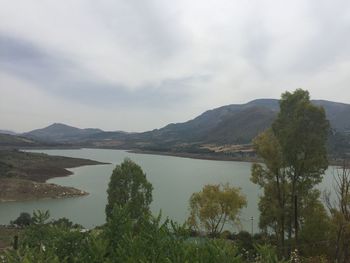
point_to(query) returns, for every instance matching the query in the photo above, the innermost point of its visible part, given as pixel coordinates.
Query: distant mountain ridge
(7, 132)
(240, 123)
(59, 132)
(230, 124)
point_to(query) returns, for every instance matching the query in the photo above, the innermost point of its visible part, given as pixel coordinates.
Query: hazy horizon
(136, 65)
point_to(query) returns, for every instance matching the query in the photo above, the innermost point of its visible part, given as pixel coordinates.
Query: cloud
(167, 61)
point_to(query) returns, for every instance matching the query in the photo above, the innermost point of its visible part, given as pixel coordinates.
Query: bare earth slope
(23, 175)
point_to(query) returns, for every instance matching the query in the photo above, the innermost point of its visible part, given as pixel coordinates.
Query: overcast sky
(136, 65)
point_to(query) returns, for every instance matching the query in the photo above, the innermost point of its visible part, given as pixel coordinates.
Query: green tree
(316, 228)
(295, 158)
(24, 219)
(272, 177)
(215, 206)
(65, 222)
(128, 186)
(301, 129)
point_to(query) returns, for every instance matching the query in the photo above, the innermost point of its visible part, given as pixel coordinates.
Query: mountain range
(228, 125)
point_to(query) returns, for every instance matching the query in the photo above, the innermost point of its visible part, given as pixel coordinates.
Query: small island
(23, 175)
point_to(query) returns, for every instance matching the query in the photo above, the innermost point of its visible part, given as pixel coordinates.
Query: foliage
(267, 254)
(316, 227)
(301, 129)
(215, 206)
(272, 177)
(295, 158)
(119, 241)
(40, 217)
(24, 219)
(340, 212)
(129, 186)
(65, 222)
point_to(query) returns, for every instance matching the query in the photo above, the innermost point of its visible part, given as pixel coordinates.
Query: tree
(301, 129)
(128, 186)
(24, 219)
(272, 177)
(316, 227)
(215, 206)
(65, 222)
(340, 211)
(295, 158)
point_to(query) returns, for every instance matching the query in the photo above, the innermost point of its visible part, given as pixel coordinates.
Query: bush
(23, 220)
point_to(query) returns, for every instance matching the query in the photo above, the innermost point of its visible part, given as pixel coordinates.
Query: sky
(136, 65)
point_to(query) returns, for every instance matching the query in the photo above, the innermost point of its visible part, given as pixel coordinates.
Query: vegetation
(119, 241)
(24, 219)
(128, 186)
(8, 141)
(294, 222)
(214, 207)
(124, 239)
(340, 212)
(295, 158)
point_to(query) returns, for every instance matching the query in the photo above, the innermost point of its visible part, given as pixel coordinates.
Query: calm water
(174, 180)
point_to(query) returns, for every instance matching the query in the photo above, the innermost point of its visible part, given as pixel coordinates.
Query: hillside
(12, 141)
(240, 123)
(8, 132)
(59, 132)
(228, 125)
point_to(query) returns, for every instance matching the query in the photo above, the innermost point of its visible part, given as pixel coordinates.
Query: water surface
(174, 180)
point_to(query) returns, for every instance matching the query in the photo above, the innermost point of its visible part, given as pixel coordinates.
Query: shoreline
(197, 156)
(21, 190)
(24, 176)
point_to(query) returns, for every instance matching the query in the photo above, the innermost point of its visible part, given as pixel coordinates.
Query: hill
(13, 141)
(227, 125)
(234, 124)
(8, 132)
(59, 132)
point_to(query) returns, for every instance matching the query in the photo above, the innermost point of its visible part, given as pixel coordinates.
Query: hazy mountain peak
(60, 132)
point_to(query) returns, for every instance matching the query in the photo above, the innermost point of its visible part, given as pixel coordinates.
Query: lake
(174, 180)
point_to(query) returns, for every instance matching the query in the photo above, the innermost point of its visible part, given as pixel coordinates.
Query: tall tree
(128, 186)
(301, 129)
(295, 157)
(215, 206)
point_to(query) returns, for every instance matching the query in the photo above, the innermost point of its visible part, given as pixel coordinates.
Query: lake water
(174, 180)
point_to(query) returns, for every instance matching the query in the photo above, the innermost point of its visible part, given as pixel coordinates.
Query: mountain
(236, 123)
(7, 132)
(227, 125)
(59, 132)
(240, 123)
(337, 113)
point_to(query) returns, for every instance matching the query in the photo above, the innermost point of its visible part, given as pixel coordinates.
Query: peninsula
(23, 175)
